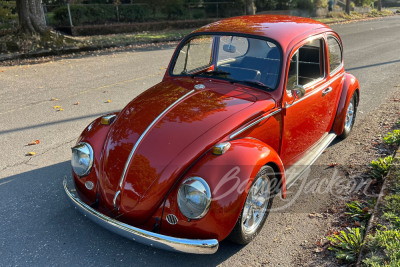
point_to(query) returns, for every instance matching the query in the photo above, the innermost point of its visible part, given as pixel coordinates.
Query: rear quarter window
(335, 54)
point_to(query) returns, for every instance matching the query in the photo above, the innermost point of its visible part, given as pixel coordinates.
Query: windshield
(236, 58)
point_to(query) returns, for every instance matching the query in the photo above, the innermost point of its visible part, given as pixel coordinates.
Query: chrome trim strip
(145, 132)
(115, 199)
(254, 123)
(313, 93)
(196, 246)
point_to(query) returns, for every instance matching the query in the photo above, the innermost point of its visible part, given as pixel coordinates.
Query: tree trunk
(348, 6)
(379, 5)
(31, 17)
(250, 7)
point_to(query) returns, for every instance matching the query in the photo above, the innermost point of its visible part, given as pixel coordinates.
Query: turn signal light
(107, 120)
(221, 148)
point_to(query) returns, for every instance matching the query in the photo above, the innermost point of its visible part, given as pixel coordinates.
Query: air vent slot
(171, 219)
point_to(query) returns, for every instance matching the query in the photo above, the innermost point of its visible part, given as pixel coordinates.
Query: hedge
(138, 27)
(100, 14)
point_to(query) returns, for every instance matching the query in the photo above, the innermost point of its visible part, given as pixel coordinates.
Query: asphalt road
(39, 227)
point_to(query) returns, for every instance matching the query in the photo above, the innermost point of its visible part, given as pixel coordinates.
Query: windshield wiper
(253, 82)
(211, 73)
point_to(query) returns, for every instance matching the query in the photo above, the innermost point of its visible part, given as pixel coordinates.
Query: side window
(307, 64)
(335, 54)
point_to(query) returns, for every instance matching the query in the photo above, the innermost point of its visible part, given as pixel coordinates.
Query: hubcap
(256, 205)
(349, 116)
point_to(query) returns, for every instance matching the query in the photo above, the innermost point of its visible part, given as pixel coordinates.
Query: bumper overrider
(196, 246)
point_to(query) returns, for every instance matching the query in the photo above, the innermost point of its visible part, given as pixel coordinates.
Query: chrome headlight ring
(194, 198)
(82, 159)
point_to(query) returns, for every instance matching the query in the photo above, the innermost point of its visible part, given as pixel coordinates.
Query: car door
(307, 119)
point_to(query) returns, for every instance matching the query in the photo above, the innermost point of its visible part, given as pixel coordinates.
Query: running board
(295, 171)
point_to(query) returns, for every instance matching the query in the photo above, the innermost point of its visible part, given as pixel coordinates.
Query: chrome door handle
(326, 91)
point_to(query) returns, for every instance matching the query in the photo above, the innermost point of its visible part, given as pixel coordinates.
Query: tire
(254, 215)
(350, 117)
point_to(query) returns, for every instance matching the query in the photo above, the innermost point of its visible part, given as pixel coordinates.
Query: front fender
(350, 86)
(229, 176)
(94, 134)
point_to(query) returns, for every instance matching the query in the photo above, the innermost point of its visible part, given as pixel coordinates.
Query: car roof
(281, 28)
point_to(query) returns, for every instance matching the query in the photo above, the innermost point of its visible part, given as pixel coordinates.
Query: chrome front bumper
(196, 246)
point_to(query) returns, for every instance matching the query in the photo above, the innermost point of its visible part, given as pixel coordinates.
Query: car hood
(169, 125)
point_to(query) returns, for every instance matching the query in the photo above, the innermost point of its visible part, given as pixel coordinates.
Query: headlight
(82, 158)
(194, 198)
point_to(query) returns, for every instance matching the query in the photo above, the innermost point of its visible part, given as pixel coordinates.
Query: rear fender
(350, 86)
(229, 176)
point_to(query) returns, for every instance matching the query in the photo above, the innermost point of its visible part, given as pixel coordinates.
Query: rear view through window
(236, 58)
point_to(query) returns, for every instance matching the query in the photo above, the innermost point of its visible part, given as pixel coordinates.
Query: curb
(374, 215)
(45, 53)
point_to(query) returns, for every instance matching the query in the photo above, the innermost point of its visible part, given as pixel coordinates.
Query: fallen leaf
(311, 215)
(319, 250)
(53, 99)
(56, 107)
(30, 153)
(396, 99)
(333, 164)
(60, 109)
(108, 101)
(357, 223)
(36, 142)
(105, 91)
(77, 103)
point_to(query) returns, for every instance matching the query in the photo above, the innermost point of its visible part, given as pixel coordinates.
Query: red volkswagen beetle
(245, 105)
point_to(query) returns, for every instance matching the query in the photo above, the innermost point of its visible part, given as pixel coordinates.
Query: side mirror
(298, 91)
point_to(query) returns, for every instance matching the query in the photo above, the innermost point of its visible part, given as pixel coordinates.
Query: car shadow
(39, 226)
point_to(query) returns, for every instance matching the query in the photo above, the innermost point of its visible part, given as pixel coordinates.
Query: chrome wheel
(256, 205)
(349, 117)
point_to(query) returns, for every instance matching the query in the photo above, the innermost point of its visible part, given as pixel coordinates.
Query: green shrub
(387, 241)
(305, 4)
(360, 211)
(85, 14)
(174, 9)
(380, 167)
(8, 14)
(347, 246)
(134, 13)
(392, 138)
(198, 13)
(393, 203)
